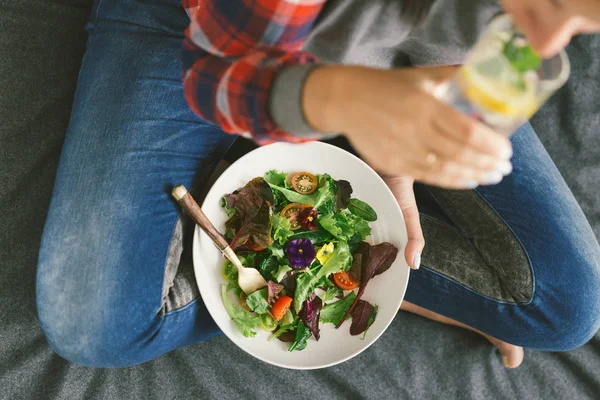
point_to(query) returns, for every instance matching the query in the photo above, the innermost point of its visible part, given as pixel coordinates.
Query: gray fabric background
(41, 44)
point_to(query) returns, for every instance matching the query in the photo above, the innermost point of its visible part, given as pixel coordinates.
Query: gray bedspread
(41, 44)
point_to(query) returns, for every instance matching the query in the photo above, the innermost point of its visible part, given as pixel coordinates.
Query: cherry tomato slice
(291, 212)
(304, 182)
(280, 307)
(345, 281)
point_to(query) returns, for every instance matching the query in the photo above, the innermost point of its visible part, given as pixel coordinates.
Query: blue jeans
(517, 260)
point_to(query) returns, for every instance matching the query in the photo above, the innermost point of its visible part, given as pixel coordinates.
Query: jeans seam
(456, 226)
(188, 305)
(445, 277)
(442, 223)
(520, 243)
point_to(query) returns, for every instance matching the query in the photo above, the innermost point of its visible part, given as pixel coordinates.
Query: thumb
(402, 188)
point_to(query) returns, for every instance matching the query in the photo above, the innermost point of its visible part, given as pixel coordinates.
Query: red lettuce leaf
(355, 271)
(230, 199)
(376, 260)
(361, 317)
(310, 313)
(273, 290)
(288, 336)
(252, 220)
(342, 195)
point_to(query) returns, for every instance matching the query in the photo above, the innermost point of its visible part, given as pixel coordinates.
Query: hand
(397, 126)
(402, 188)
(550, 24)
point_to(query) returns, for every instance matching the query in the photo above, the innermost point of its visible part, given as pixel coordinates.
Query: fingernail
(507, 152)
(417, 261)
(505, 168)
(505, 361)
(470, 184)
(491, 178)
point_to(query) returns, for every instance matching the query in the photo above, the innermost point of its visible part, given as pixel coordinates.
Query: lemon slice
(498, 95)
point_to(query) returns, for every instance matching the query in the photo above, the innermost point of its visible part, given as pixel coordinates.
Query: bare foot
(512, 356)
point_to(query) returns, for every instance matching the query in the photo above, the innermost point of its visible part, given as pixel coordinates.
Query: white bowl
(386, 290)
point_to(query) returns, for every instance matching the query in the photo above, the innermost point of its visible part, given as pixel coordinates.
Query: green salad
(305, 234)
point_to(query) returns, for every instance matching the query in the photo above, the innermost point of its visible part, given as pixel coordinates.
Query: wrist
(323, 98)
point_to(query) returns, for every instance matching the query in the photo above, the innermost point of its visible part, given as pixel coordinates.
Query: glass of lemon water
(503, 81)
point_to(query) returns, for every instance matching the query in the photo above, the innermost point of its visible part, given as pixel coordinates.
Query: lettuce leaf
(277, 251)
(268, 265)
(340, 261)
(302, 336)
(273, 289)
(342, 196)
(257, 301)
(361, 316)
(305, 285)
(332, 195)
(275, 177)
(345, 226)
(370, 320)
(294, 197)
(245, 321)
(280, 274)
(325, 195)
(281, 229)
(311, 309)
(279, 179)
(362, 210)
(376, 260)
(331, 291)
(252, 220)
(334, 312)
(316, 237)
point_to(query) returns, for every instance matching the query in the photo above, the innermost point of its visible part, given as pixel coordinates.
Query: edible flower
(325, 253)
(308, 219)
(300, 253)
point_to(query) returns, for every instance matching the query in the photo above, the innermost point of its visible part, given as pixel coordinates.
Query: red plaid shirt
(231, 54)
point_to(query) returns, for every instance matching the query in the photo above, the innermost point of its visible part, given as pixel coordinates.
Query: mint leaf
(522, 58)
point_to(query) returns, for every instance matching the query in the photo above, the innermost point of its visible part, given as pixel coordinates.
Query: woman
(515, 260)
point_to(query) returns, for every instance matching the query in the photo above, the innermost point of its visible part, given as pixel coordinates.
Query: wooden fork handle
(192, 209)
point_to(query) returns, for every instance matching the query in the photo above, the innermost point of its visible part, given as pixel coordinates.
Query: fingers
(462, 154)
(547, 24)
(470, 133)
(402, 188)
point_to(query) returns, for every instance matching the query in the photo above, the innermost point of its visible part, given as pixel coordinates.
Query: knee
(81, 336)
(567, 309)
(77, 311)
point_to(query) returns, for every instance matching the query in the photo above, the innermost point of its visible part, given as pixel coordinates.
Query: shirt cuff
(285, 102)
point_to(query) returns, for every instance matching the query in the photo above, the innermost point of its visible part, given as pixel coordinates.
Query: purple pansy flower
(300, 253)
